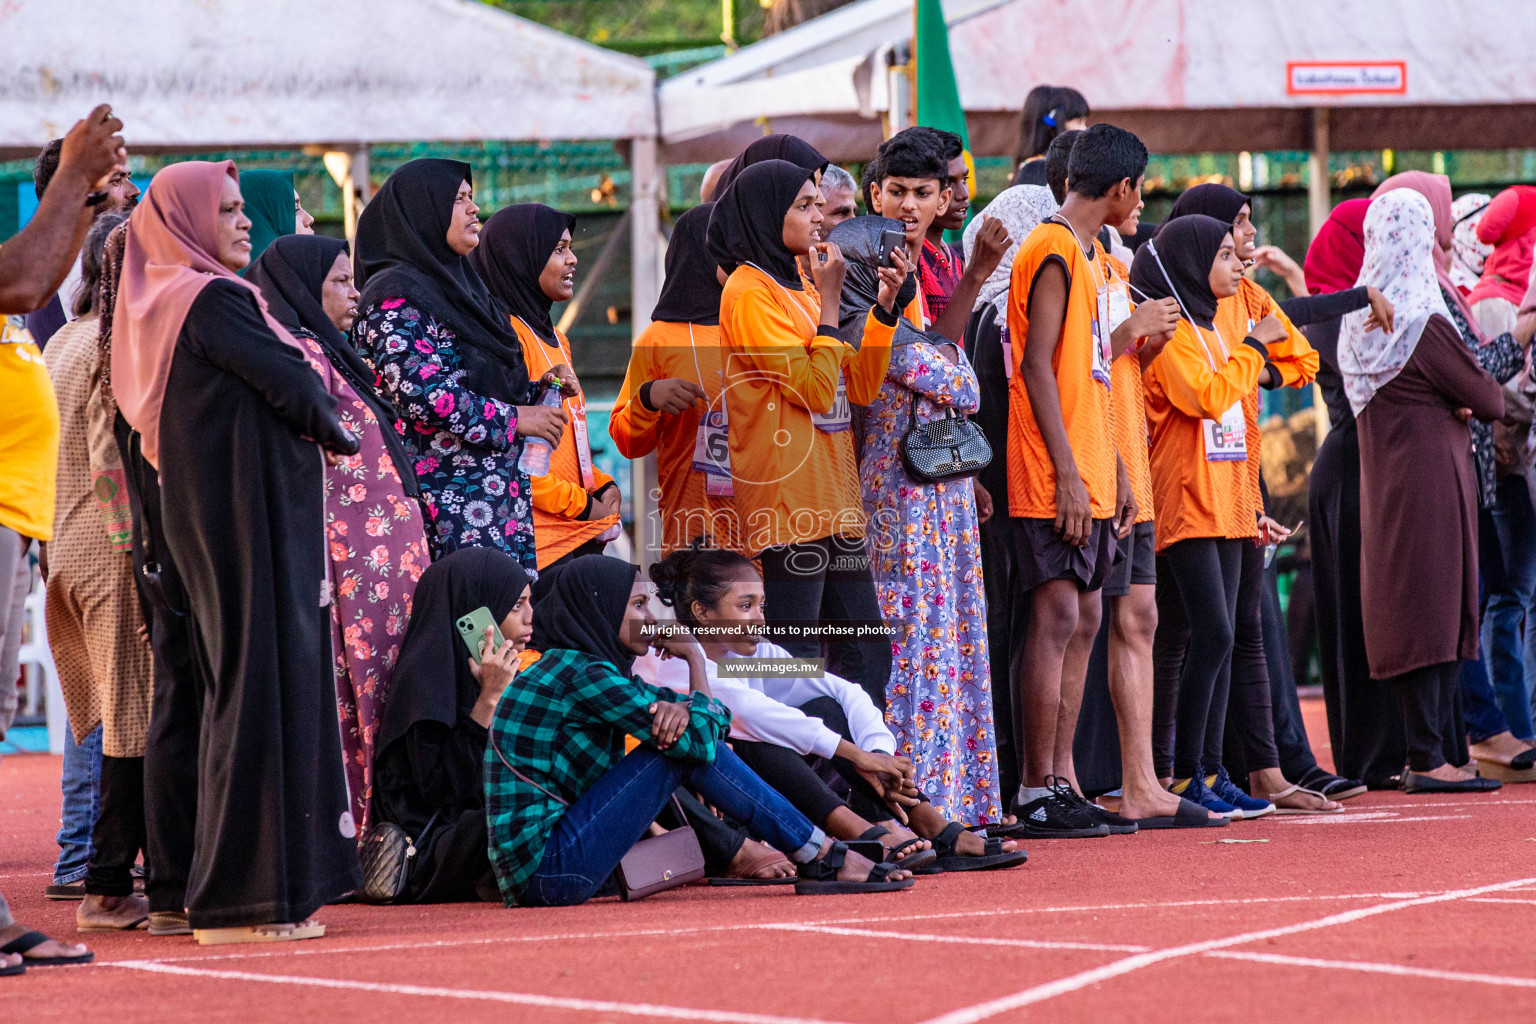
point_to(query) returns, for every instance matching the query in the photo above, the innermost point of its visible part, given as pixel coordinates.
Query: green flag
(936, 97)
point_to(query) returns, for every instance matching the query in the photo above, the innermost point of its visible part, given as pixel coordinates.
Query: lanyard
(787, 296)
(578, 412)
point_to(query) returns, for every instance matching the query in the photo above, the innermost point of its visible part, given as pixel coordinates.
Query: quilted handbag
(386, 854)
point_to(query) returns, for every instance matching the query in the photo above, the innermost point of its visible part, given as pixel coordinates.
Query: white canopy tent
(189, 74)
(1273, 74)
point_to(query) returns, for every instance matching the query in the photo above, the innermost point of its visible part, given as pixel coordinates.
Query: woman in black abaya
(240, 427)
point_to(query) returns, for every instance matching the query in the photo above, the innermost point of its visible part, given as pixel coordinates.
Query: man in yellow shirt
(32, 266)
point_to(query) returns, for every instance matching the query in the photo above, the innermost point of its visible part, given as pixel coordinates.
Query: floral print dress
(465, 446)
(925, 551)
(378, 551)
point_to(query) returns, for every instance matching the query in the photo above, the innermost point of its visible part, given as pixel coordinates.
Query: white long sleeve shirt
(767, 710)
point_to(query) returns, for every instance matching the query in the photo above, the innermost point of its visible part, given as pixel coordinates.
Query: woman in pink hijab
(240, 427)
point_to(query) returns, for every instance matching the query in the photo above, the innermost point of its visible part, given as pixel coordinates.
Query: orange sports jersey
(1082, 381)
(688, 510)
(791, 442)
(1189, 382)
(1294, 359)
(1128, 409)
(561, 495)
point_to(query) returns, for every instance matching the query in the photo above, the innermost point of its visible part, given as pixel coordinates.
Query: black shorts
(1040, 555)
(1135, 561)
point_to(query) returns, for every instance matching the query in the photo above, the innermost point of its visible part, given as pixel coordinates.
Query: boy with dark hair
(1068, 493)
(1056, 156)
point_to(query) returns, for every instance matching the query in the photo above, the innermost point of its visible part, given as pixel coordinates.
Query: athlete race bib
(712, 453)
(1226, 440)
(840, 418)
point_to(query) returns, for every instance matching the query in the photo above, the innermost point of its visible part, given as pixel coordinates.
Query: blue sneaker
(1196, 791)
(1251, 806)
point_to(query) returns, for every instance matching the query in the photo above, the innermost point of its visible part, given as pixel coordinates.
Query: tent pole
(1319, 205)
(645, 287)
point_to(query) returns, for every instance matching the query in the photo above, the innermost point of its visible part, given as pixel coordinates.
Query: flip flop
(819, 877)
(31, 940)
(1275, 799)
(6, 972)
(993, 857)
(1189, 815)
(767, 857)
(1521, 768)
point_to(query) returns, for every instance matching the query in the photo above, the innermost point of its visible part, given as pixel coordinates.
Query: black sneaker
(1059, 815)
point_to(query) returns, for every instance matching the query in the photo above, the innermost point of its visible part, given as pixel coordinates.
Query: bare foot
(1266, 784)
(1447, 773)
(9, 960)
(972, 844)
(900, 834)
(1151, 802)
(1500, 749)
(856, 867)
(43, 950)
(759, 860)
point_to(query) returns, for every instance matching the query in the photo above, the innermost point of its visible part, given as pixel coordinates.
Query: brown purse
(655, 863)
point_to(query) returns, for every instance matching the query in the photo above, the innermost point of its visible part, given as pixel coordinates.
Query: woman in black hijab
(792, 382)
(1196, 480)
(431, 743)
(564, 803)
(525, 258)
(445, 356)
(299, 276)
(673, 389)
(773, 147)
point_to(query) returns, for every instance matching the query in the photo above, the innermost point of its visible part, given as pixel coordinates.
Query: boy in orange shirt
(1068, 493)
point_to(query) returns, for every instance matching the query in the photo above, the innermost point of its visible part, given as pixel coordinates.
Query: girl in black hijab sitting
(564, 803)
(430, 775)
(446, 357)
(526, 261)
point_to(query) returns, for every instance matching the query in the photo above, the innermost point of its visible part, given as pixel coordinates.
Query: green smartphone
(472, 628)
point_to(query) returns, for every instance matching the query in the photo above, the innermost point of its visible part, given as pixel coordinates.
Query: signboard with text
(1346, 78)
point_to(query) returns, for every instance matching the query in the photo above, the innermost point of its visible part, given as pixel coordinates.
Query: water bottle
(535, 458)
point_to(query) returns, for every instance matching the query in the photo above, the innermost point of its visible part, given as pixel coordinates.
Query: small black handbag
(386, 854)
(948, 448)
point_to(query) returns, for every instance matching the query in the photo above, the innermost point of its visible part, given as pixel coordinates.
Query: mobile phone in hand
(472, 630)
(890, 241)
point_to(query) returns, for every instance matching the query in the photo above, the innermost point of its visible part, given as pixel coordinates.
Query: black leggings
(794, 777)
(1250, 712)
(829, 581)
(1191, 680)
(1429, 699)
(119, 833)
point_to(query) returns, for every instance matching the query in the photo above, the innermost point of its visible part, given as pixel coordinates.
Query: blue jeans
(598, 829)
(1511, 601)
(82, 805)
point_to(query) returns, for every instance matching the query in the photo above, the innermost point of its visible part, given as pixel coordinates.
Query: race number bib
(1119, 307)
(1226, 440)
(1101, 331)
(840, 418)
(712, 453)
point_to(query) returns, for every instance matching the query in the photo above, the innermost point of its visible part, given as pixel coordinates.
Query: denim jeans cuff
(812, 847)
(72, 877)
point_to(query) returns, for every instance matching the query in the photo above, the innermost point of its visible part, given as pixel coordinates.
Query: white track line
(1369, 819)
(965, 940)
(320, 949)
(1506, 899)
(1370, 968)
(518, 998)
(1083, 979)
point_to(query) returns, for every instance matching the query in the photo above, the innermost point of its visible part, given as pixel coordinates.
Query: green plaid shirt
(562, 724)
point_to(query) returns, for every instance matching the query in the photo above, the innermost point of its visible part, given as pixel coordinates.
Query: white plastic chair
(41, 673)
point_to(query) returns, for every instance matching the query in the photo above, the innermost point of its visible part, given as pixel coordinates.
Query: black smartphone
(890, 241)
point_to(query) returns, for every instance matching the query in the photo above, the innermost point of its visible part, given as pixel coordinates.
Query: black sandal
(993, 856)
(819, 877)
(892, 854)
(31, 940)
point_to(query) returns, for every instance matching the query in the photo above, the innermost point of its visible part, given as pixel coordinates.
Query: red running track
(1401, 909)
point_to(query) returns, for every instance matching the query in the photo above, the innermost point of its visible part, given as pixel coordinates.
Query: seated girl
(777, 723)
(429, 775)
(564, 803)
